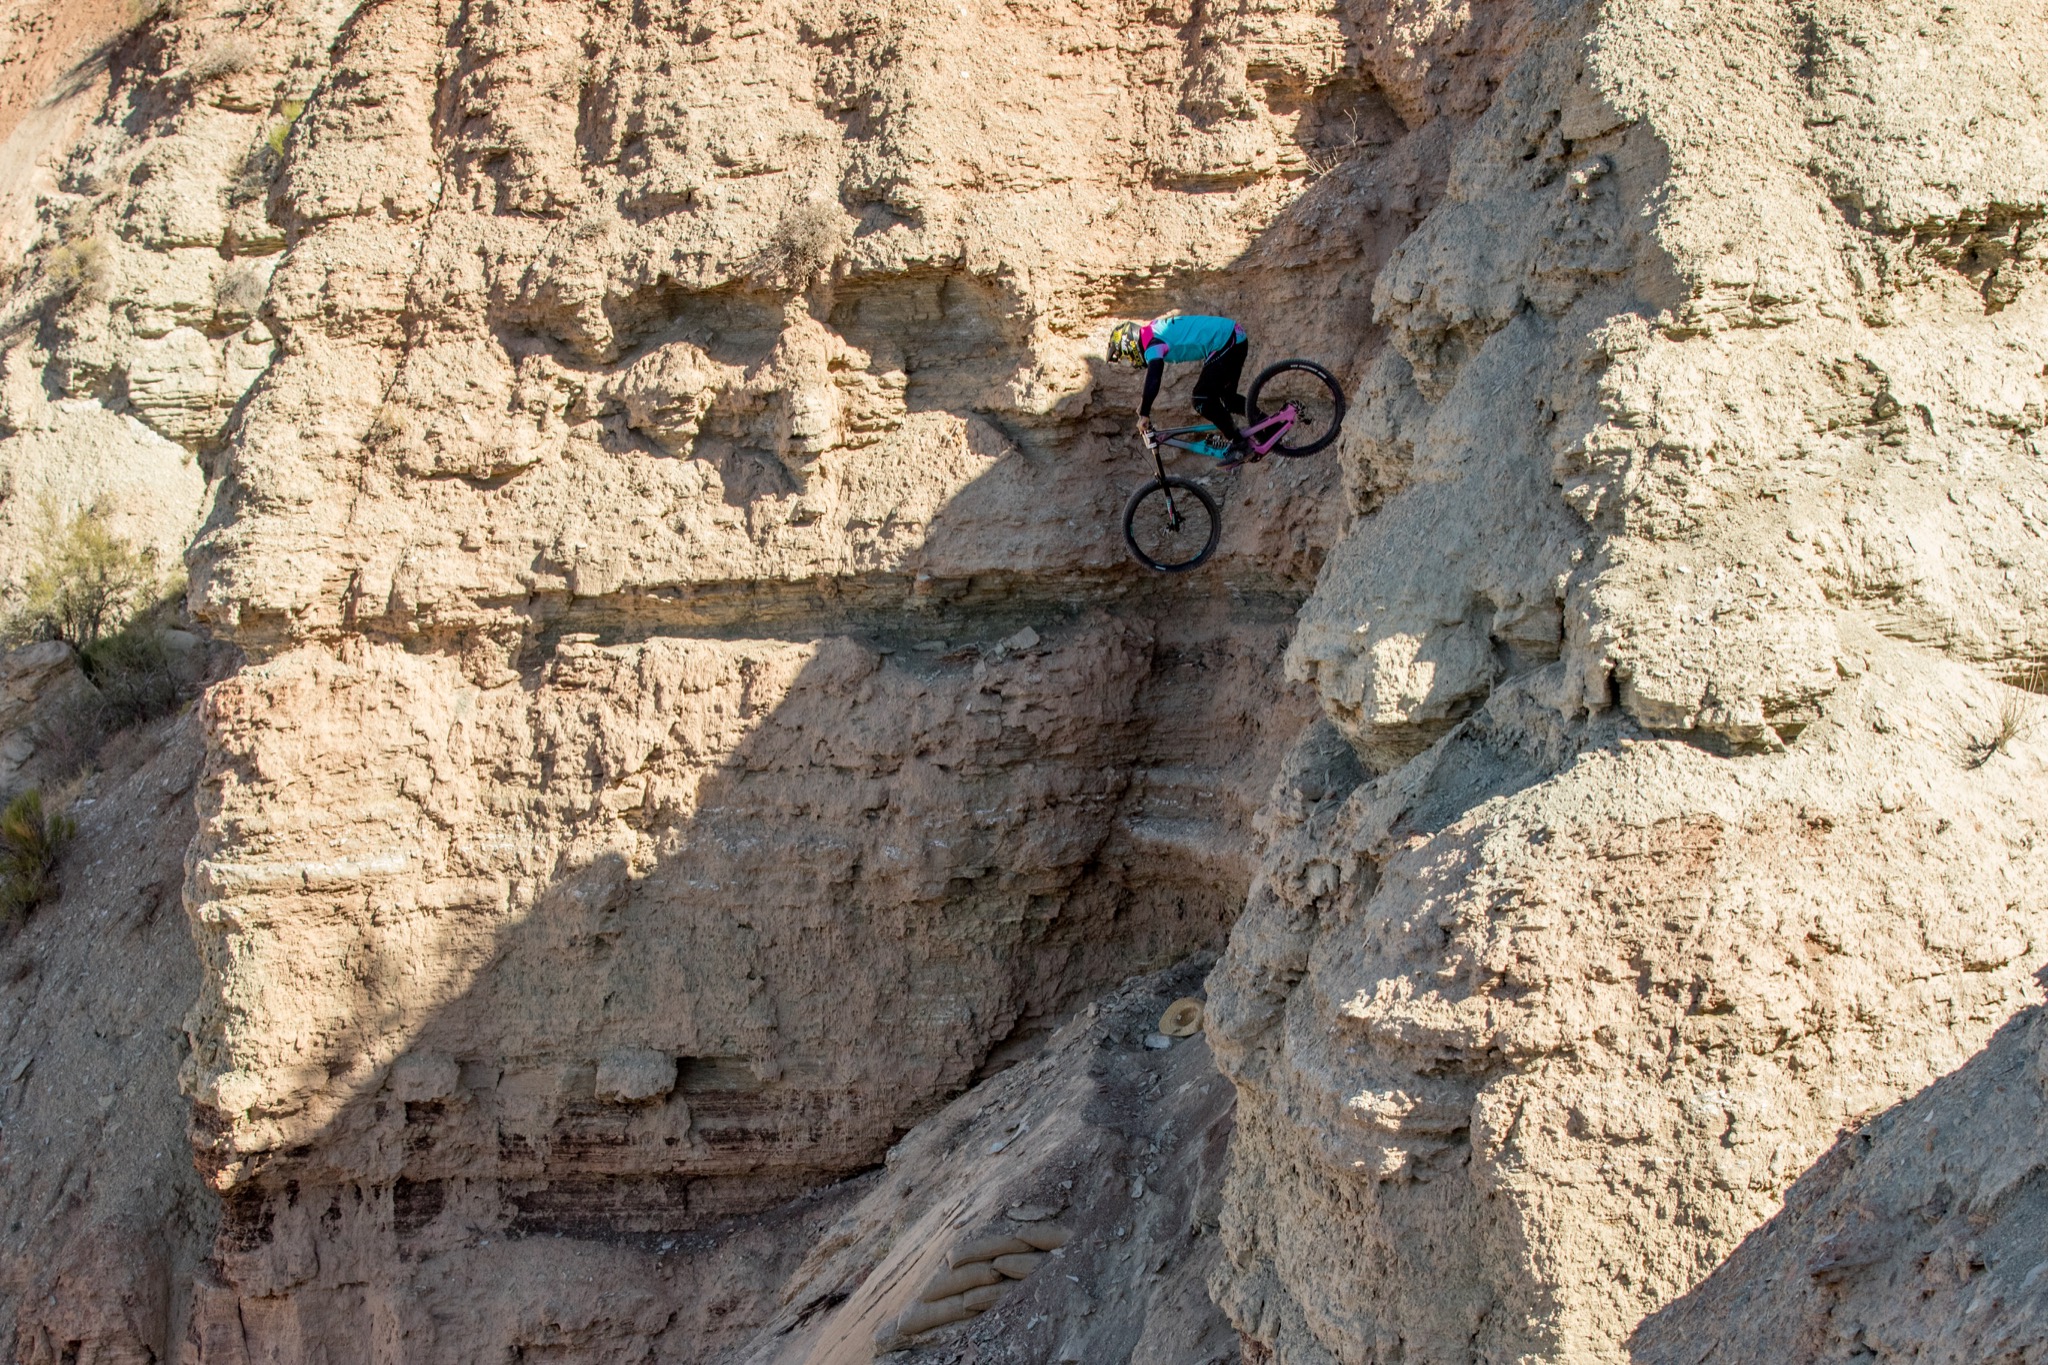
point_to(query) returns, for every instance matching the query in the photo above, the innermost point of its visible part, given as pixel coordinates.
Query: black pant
(1216, 397)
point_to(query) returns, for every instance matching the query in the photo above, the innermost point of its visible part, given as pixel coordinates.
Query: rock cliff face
(697, 714)
(1680, 642)
(696, 719)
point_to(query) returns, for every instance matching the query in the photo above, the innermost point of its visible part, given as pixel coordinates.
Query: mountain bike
(1172, 524)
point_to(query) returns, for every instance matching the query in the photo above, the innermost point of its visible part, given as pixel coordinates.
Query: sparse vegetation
(239, 292)
(112, 603)
(2019, 707)
(282, 130)
(87, 583)
(806, 243)
(32, 841)
(136, 673)
(141, 12)
(1336, 144)
(2033, 679)
(81, 269)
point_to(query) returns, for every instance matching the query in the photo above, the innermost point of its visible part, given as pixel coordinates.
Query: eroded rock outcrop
(697, 719)
(698, 715)
(1696, 815)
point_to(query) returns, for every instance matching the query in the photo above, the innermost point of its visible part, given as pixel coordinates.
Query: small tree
(31, 842)
(86, 583)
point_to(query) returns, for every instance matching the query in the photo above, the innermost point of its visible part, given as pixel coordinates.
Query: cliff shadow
(1919, 1226)
(809, 864)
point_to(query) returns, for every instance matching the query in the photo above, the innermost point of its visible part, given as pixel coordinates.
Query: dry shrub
(1336, 145)
(32, 841)
(82, 269)
(806, 243)
(240, 291)
(2019, 709)
(2033, 679)
(141, 12)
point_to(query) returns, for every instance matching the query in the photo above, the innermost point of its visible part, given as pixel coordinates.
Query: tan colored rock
(930, 1315)
(664, 482)
(40, 685)
(1942, 1192)
(1662, 845)
(1018, 1265)
(1045, 1237)
(681, 618)
(975, 1250)
(635, 1074)
(960, 1279)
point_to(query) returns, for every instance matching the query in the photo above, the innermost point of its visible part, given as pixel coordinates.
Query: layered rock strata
(697, 717)
(1676, 802)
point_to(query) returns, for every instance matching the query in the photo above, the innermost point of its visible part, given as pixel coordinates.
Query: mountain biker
(1219, 343)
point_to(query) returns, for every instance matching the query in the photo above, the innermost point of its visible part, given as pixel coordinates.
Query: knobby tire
(1145, 519)
(1314, 391)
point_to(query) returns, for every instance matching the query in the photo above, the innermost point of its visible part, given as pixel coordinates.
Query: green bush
(31, 842)
(135, 673)
(279, 132)
(87, 582)
(112, 603)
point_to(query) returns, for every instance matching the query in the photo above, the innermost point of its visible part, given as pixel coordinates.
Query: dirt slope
(700, 747)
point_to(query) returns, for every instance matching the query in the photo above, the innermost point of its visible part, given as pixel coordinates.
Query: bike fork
(1172, 512)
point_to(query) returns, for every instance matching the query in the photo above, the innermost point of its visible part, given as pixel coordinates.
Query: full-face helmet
(1123, 345)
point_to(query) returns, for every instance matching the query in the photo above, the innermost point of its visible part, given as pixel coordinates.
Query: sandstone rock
(959, 1280)
(1942, 1191)
(629, 458)
(424, 1077)
(40, 685)
(987, 1248)
(1018, 1265)
(1523, 998)
(1183, 1018)
(631, 1074)
(1045, 1237)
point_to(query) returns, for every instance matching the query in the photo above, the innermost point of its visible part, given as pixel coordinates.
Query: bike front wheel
(1172, 525)
(1313, 392)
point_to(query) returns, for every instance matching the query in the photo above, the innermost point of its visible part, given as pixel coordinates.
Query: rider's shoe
(1239, 453)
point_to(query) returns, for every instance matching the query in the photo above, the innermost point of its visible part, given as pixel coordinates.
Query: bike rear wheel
(1172, 524)
(1317, 399)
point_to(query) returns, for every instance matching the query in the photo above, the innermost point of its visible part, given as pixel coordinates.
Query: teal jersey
(1191, 336)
